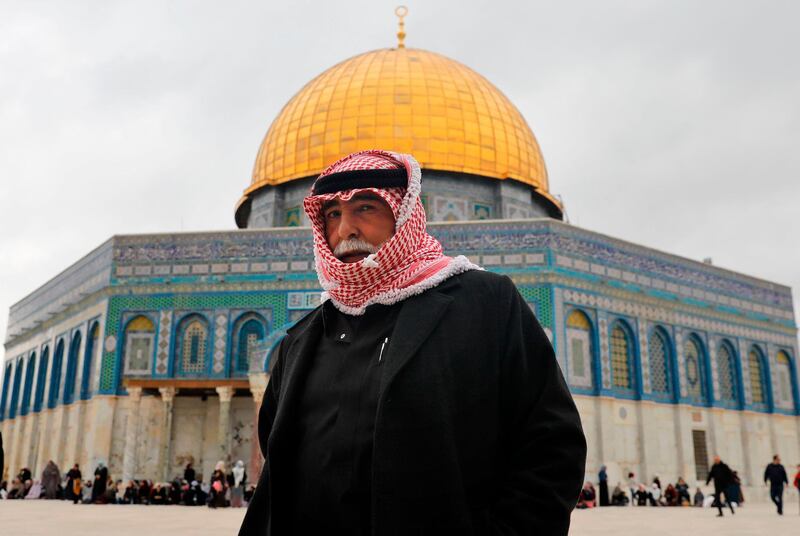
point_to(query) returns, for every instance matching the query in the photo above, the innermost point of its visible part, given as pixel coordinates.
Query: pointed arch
(6, 388)
(192, 353)
(55, 374)
(41, 377)
(580, 350)
(13, 408)
(249, 331)
(623, 368)
(786, 396)
(72, 367)
(26, 391)
(759, 386)
(88, 358)
(727, 374)
(139, 345)
(695, 369)
(661, 357)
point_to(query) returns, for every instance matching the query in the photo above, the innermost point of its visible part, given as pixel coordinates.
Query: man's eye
(331, 214)
(364, 208)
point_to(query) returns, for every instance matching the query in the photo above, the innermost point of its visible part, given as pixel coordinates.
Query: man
(723, 477)
(422, 396)
(74, 482)
(776, 475)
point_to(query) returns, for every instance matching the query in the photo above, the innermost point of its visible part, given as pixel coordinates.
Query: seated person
(671, 496)
(698, 498)
(587, 497)
(619, 497)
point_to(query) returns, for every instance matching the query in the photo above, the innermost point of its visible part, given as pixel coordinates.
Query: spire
(401, 12)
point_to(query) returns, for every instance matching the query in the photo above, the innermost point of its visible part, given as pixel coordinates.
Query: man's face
(357, 227)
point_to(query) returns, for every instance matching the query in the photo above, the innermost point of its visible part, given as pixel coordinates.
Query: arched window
(579, 350)
(695, 371)
(191, 356)
(785, 375)
(72, 368)
(26, 391)
(758, 377)
(88, 357)
(38, 397)
(249, 332)
(55, 375)
(621, 358)
(726, 372)
(12, 409)
(6, 388)
(139, 337)
(659, 354)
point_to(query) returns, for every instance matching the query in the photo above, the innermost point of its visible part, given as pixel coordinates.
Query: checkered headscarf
(410, 262)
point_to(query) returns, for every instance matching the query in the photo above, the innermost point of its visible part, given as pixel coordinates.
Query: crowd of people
(224, 488)
(727, 489)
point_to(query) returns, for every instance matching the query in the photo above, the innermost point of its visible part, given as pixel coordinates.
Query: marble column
(131, 435)
(167, 397)
(258, 384)
(224, 422)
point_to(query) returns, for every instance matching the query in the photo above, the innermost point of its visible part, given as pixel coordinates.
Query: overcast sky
(672, 124)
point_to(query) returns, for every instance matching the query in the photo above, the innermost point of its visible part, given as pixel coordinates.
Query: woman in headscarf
(218, 486)
(603, 478)
(51, 478)
(100, 483)
(239, 476)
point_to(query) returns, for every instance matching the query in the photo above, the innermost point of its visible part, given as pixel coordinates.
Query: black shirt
(332, 469)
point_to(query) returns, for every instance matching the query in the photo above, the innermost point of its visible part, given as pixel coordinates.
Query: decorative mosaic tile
(243, 299)
(220, 335)
(162, 346)
(644, 357)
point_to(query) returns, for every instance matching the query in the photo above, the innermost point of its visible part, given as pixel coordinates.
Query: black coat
(475, 431)
(722, 476)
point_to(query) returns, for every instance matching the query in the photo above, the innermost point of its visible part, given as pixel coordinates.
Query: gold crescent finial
(401, 12)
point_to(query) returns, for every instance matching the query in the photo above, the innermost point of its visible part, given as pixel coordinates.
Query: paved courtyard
(35, 518)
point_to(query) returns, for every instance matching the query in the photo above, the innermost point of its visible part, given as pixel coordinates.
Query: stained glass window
(726, 372)
(194, 347)
(250, 334)
(659, 373)
(785, 398)
(695, 372)
(621, 358)
(757, 376)
(139, 336)
(579, 349)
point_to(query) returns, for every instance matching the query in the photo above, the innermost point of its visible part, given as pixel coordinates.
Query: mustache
(353, 245)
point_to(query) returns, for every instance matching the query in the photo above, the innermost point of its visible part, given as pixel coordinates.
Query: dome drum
(447, 196)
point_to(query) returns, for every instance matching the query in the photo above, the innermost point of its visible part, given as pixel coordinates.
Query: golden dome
(406, 100)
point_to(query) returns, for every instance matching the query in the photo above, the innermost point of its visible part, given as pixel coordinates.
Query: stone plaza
(28, 518)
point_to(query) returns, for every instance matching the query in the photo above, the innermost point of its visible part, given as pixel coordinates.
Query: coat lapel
(417, 319)
(298, 360)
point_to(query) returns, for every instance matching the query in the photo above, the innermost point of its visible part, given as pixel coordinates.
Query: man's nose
(347, 226)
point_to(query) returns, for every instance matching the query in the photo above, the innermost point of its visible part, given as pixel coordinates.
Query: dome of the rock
(407, 100)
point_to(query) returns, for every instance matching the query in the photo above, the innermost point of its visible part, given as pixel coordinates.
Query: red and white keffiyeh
(410, 262)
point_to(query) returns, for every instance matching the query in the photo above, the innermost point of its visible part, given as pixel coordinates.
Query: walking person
(775, 474)
(603, 478)
(100, 482)
(722, 476)
(422, 396)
